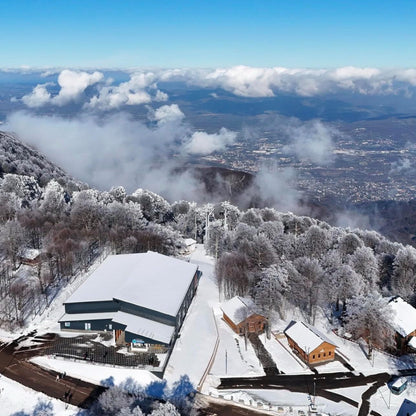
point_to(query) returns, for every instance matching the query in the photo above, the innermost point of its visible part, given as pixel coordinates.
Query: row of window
(324, 354)
(87, 326)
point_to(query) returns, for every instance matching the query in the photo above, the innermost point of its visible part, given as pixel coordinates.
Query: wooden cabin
(404, 324)
(240, 316)
(309, 344)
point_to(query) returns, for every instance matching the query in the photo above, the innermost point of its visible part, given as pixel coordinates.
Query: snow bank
(14, 398)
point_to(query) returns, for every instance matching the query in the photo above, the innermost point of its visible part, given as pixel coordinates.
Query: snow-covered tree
(165, 409)
(349, 243)
(214, 244)
(342, 284)
(404, 273)
(118, 193)
(306, 285)
(53, 202)
(259, 251)
(112, 401)
(270, 288)
(365, 263)
(12, 239)
(315, 242)
(369, 317)
(251, 217)
(233, 274)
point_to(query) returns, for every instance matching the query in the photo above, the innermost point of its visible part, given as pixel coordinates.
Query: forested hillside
(281, 260)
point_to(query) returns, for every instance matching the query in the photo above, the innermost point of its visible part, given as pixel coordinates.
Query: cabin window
(313, 357)
(324, 354)
(110, 326)
(330, 352)
(67, 324)
(87, 326)
(319, 355)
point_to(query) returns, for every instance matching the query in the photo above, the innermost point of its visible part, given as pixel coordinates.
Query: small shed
(240, 315)
(190, 244)
(30, 256)
(404, 323)
(309, 343)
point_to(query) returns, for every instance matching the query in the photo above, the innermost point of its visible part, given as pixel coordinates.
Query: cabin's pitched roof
(307, 337)
(404, 316)
(238, 309)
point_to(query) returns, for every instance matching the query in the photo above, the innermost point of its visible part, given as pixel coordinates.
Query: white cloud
(38, 97)
(72, 86)
(310, 141)
(135, 91)
(203, 143)
(266, 82)
(241, 80)
(115, 151)
(168, 113)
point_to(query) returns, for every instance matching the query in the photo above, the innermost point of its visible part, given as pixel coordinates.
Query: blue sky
(125, 33)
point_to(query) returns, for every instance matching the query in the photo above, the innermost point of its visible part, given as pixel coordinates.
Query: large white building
(142, 297)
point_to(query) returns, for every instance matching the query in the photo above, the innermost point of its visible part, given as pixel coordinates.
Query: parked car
(397, 385)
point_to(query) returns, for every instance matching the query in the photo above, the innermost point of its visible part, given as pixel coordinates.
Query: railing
(213, 355)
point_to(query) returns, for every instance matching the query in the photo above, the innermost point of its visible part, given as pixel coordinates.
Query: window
(67, 324)
(87, 326)
(110, 326)
(324, 354)
(330, 352)
(319, 355)
(313, 357)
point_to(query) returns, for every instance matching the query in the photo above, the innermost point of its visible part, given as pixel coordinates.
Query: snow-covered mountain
(18, 158)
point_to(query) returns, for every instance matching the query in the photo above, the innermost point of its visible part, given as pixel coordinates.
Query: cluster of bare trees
(280, 259)
(69, 229)
(283, 260)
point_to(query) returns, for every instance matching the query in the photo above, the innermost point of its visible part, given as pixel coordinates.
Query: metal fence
(84, 347)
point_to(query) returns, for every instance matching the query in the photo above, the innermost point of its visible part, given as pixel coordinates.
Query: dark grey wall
(92, 307)
(147, 313)
(96, 325)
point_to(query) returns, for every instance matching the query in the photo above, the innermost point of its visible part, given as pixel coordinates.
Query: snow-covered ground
(195, 346)
(196, 355)
(15, 398)
(94, 373)
(234, 358)
(284, 402)
(285, 360)
(388, 404)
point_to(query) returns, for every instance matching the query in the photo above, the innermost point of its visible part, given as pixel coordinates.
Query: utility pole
(226, 362)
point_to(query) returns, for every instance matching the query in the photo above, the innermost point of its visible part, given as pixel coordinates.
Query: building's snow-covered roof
(150, 280)
(412, 343)
(190, 242)
(238, 309)
(404, 316)
(145, 327)
(306, 336)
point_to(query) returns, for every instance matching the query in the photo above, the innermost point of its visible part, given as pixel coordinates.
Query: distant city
(372, 160)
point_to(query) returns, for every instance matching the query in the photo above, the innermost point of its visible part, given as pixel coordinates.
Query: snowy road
(321, 384)
(194, 348)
